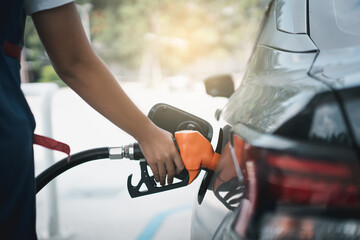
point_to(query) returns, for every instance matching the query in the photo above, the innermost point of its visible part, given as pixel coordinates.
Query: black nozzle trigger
(150, 183)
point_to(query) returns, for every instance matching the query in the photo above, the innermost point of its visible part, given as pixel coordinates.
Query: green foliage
(215, 29)
(48, 74)
(35, 52)
(179, 32)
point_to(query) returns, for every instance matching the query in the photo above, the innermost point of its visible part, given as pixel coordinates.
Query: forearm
(92, 80)
(81, 69)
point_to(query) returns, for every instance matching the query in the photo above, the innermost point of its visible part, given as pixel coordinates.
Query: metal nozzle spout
(116, 152)
(126, 151)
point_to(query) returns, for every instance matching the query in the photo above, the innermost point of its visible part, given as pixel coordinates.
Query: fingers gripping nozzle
(196, 153)
(147, 184)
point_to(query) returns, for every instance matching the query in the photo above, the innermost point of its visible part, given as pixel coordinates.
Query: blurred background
(160, 41)
(160, 51)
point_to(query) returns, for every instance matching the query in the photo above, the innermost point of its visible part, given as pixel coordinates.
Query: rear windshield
(352, 107)
(347, 15)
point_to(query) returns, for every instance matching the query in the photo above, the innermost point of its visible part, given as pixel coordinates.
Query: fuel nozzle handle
(196, 152)
(130, 151)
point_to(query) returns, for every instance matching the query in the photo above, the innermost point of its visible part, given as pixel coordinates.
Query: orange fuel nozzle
(196, 152)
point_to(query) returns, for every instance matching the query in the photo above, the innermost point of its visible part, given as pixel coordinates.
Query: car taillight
(278, 179)
(281, 226)
(294, 180)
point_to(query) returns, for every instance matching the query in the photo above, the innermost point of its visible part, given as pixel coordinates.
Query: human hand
(159, 150)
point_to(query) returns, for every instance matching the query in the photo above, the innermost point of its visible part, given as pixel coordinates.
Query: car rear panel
(276, 84)
(295, 119)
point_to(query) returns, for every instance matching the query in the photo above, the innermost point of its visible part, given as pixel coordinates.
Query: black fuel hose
(63, 165)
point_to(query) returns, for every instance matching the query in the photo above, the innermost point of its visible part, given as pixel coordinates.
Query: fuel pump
(192, 138)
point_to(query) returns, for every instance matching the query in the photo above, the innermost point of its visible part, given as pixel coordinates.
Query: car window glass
(321, 122)
(354, 117)
(347, 15)
(328, 124)
(352, 103)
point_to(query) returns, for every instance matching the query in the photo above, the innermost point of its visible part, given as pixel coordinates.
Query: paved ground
(93, 198)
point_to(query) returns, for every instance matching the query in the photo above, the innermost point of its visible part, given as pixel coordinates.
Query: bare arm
(63, 36)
